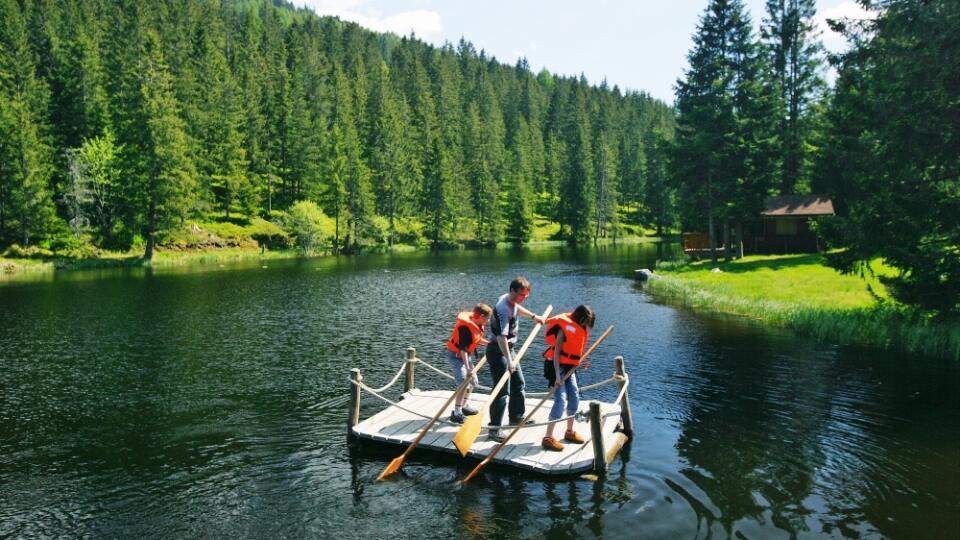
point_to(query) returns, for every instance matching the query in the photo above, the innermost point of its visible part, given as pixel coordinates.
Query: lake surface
(211, 402)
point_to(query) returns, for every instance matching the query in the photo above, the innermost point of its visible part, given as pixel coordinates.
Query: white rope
(376, 393)
(396, 404)
(583, 389)
(392, 381)
(447, 375)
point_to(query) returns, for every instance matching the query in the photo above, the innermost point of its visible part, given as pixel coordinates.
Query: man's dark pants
(514, 388)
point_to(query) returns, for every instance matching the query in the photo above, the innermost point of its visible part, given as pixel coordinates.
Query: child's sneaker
(469, 411)
(456, 418)
(496, 435)
(551, 444)
(574, 437)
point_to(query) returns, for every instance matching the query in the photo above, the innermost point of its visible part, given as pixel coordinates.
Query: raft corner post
(596, 434)
(353, 416)
(626, 416)
(409, 381)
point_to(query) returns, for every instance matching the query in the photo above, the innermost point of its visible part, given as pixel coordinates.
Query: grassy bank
(801, 293)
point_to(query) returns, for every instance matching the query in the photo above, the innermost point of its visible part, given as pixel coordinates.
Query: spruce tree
(796, 56)
(168, 176)
(26, 156)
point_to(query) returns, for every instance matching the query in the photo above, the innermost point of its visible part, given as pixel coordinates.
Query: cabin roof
(797, 206)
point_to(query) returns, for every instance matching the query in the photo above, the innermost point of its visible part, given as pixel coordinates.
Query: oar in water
(397, 462)
(496, 450)
(464, 438)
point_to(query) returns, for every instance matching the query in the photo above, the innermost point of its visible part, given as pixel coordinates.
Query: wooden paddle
(397, 462)
(464, 438)
(496, 450)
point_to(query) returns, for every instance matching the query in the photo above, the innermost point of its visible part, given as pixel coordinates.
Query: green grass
(800, 292)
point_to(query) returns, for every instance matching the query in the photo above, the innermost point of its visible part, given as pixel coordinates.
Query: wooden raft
(394, 425)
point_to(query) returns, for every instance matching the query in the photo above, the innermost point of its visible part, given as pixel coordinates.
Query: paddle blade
(464, 438)
(393, 467)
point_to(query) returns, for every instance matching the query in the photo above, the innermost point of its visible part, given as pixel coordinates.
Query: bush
(30, 252)
(408, 231)
(268, 234)
(308, 224)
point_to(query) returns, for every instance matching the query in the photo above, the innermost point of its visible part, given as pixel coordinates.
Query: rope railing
(376, 392)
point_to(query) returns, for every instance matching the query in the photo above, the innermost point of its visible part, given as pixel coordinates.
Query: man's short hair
(519, 283)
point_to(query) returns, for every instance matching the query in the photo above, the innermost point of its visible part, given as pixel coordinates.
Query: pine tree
(438, 202)
(333, 197)
(722, 156)
(26, 156)
(895, 176)
(577, 190)
(790, 37)
(394, 170)
(168, 175)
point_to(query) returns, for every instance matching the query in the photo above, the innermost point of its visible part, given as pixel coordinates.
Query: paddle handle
(499, 447)
(430, 424)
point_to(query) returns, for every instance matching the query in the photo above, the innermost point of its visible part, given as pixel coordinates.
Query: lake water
(211, 402)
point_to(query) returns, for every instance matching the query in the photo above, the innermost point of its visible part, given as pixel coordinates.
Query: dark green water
(184, 403)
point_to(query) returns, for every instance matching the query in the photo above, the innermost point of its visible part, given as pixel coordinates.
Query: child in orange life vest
(566, 337)
(461, 350)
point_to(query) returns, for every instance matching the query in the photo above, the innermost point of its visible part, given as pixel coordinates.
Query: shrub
(308, 224)
(268, 234)
(29, 252)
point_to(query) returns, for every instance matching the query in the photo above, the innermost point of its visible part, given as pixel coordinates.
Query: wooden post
(411, 364)
(626, 417)
(353, 416)
(596, 432)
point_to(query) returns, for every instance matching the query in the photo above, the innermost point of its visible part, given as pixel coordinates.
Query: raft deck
(394, 425)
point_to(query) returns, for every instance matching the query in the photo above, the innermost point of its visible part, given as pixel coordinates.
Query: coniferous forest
(124, 122)
(128, 125)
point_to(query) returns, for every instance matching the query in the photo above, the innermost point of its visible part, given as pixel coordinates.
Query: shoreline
(879, 322)
(13, 270)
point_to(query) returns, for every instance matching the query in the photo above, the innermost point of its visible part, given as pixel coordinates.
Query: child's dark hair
(482, 310)
(584, 316)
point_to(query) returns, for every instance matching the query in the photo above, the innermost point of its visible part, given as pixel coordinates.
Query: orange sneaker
(551, 444)
(574, 437)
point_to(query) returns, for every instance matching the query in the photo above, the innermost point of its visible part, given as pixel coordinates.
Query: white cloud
(424, 23)
(833, 41)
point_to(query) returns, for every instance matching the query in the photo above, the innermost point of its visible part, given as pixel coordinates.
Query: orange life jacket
(574, 339)
(476, 333)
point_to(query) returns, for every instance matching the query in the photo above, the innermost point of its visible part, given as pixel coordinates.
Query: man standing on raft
(503, 327)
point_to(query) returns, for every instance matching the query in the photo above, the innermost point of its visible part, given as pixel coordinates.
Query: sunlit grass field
(792, 279)
(802, 293)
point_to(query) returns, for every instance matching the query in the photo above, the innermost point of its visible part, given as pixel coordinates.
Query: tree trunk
(727, 252)
(24, 231)
(739, 240)
(713, 238)
(151, 228)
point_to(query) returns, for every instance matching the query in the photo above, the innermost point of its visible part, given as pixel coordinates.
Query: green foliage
(723, 158)
(164, 114)
(308, 224)
(895, 175)
(269, 234)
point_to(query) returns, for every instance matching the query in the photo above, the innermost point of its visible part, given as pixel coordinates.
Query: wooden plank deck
(396, 426)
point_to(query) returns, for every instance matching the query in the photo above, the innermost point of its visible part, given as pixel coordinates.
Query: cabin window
(787, 227)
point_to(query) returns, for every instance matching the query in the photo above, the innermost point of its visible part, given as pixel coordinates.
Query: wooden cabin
(782, 227)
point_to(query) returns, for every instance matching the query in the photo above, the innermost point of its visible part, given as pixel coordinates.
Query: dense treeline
(754, 119)
(123, 122)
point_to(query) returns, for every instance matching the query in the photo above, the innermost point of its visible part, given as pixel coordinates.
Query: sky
(634, 44)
